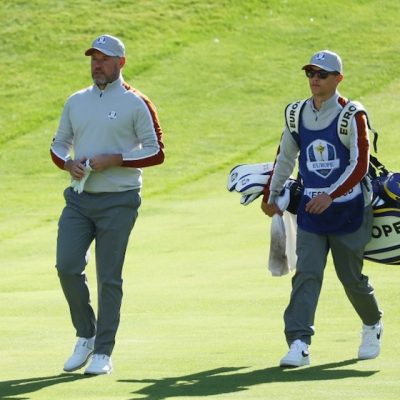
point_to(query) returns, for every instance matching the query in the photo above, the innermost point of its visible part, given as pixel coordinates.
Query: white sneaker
(101, 364)
(370, 341)
(83, 350)
(297, 355)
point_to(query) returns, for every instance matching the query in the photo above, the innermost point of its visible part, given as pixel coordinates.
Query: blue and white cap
(108, 45)
(326, 60)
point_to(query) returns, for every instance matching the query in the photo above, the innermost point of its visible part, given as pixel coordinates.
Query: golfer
(335, 208)
(107, 133)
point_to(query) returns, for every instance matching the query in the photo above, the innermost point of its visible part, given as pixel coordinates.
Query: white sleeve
(63, 139)
(284, 164)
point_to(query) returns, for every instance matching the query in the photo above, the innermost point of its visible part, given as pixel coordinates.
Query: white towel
(278, 262)
(290, 222)
(79, 185)
(283, 200)
(282, 249)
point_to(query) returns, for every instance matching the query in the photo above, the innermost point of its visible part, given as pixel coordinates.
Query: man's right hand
(270, 209)
(75, 168)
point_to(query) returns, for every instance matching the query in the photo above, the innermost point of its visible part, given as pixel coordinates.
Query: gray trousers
(347, 252)
(107, 218)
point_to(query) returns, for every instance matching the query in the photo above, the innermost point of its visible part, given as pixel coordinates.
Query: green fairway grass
(201, 314)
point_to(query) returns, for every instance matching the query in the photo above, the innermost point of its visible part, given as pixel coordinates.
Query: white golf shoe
(297, 355)
(100, 365)
(82, 352)
(371, 337)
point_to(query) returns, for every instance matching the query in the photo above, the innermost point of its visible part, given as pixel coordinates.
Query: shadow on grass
(22, 387)
(230, 380)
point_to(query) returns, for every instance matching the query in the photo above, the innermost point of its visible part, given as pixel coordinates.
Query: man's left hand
(103, 161)
(319, 203)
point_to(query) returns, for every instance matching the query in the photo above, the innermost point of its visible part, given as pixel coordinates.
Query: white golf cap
(108, 45)
(326, 60)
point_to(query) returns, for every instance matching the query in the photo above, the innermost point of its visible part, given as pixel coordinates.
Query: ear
(121, 62)
(339, 78)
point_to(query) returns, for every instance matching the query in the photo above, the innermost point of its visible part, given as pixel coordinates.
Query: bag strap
(292, 118)
(344, 122)
(376, 168)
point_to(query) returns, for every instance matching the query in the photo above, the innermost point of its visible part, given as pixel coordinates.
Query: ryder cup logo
(101, 40)
(320, 57)
(321, 158)
(112, 115)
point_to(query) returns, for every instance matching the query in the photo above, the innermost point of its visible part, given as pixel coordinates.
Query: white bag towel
(282, 250)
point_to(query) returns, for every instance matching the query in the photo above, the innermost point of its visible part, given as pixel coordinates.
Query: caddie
(328, 135)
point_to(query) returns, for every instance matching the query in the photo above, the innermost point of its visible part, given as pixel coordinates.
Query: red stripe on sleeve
(266, 191)
(57, 160)
(160, 156)
(361, 168)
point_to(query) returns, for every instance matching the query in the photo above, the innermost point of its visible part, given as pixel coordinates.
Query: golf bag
(249, 181)
(384, 246)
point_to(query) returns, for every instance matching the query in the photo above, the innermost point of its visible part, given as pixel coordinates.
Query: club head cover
(250, 184)
(242, 170)
(249, 198)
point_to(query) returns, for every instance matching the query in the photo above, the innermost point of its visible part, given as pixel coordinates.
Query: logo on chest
(321, 158)
(112, 115)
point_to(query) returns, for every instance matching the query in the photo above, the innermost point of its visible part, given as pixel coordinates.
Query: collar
(327, 104)
(110, 87)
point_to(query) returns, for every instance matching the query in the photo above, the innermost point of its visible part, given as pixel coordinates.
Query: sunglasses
(321, 74)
